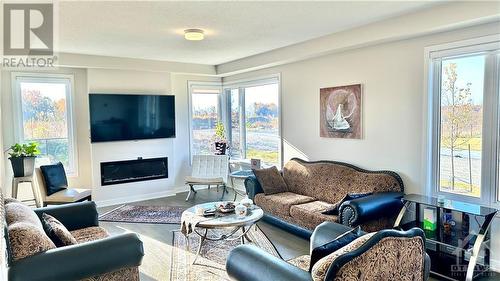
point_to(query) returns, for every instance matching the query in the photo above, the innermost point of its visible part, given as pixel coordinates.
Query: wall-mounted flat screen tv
(116, 117)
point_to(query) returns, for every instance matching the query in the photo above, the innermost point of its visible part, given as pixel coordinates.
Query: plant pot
(220, 148)
(23, 166)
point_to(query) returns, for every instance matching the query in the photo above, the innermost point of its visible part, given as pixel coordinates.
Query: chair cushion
(68, 195)
(57, 232)
(332, 246)
(54, 178)
(310, 213)
(280, 203)
(89, 234)
(319, 270)
(270, 180)
(27, 240)
(195, 180)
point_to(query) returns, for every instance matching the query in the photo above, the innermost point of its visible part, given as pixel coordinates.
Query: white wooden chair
(208, 170)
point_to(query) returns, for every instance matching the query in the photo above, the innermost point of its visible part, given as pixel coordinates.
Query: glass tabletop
(449, 204)
(241, 173)
(254, 214)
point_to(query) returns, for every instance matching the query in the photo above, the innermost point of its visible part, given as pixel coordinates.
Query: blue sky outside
(470, 69)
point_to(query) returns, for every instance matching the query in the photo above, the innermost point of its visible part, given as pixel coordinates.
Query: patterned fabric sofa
(31, 255)
(314, 187)
(384, 255)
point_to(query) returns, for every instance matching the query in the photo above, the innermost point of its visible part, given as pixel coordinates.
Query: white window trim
(252, 82)
(70, 108)
(430, 167)
(192, 86)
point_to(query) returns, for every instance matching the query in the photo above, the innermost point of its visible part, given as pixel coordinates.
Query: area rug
(144, 214)
(210, 266)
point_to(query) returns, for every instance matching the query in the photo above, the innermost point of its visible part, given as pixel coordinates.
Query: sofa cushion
(270, 180)
(330, 181)
(27, 239)
(89, 234)
(280, 203)
(311, 213)
(319, 270)
(18, 212)
(57, 232)
(54, 177)
(128, 273)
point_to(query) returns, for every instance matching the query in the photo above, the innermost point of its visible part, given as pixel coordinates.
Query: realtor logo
(28, 29)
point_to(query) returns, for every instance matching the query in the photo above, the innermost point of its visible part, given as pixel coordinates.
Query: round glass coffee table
(223, 221)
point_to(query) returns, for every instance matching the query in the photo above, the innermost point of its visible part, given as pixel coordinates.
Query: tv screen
(115, 117)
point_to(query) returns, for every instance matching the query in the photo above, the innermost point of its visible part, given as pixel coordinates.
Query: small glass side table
(449, 248)
(241, 175)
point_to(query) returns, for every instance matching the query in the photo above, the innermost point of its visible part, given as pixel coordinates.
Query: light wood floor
(158, 238)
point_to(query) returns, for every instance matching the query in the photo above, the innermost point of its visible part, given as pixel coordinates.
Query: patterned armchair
(31, 255)
(383, 255)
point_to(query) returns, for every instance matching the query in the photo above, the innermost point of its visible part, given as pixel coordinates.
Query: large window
(44, 115)
(464, 99)
(205, 113)
(255, 130)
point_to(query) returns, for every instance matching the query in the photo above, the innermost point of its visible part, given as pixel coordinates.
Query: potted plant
(220, 139)
(22, 157)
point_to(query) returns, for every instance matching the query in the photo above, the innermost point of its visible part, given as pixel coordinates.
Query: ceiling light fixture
(194, 34)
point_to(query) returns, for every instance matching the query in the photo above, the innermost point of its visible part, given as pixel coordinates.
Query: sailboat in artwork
(337, 120)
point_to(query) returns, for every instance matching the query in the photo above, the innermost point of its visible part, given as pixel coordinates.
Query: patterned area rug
(144, 214)
(210, 266)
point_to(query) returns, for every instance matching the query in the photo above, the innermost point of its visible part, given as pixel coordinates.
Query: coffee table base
(227, 237)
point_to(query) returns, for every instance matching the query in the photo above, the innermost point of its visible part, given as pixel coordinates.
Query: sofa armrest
(357, 211)
(249, 263)
(252, 186)
(80, 261)
(74, 215)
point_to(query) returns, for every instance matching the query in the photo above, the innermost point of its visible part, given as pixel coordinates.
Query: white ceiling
(154, 30)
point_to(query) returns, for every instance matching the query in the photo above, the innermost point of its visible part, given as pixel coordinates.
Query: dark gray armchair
(398, 255)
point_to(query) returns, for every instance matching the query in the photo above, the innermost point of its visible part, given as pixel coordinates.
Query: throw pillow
(334, 211)
(271, 180)
(27, 240)
(18, 212)
(57, 232)
(54, 177)
(330, 247)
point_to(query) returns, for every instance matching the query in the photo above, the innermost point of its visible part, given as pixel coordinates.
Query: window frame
(433, 56)
(68, 80)
(192, 87)
(241, 85)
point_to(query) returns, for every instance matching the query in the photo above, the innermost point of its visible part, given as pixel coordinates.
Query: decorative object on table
(340, 112)
(247, 202)
(462, 249)
(220, 139)
(255, 163)
(22, 158)
(237, 227)
(210, 266)
(430, 219)
(240, 210)
(441, 199)
(144, 214)
(448, 222)
(226, 207)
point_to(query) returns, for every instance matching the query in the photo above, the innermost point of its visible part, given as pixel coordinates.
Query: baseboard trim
(142, 197)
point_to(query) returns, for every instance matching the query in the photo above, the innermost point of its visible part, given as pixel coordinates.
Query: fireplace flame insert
(118, 172)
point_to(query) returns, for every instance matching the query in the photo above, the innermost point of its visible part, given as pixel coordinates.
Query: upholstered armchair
(97, 256)
(384, 255)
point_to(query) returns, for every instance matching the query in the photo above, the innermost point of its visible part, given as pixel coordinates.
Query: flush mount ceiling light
(194, 34)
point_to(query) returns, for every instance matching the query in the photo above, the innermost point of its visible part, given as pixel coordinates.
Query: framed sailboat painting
(340, 109)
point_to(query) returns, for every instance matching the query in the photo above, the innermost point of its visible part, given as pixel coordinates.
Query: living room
(152, 119)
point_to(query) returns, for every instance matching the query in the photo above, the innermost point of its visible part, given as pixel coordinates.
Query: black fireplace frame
(103, 183)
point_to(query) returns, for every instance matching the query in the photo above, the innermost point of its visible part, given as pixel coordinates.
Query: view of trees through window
(461, 125)
(204, 118)
(45, 120)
